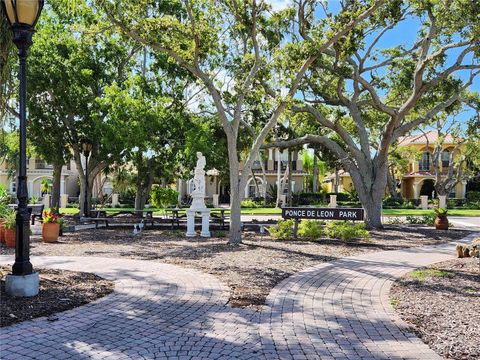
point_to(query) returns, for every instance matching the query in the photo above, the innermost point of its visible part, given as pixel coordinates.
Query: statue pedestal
(191, 222)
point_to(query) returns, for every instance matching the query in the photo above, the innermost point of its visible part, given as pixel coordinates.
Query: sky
(403, 34)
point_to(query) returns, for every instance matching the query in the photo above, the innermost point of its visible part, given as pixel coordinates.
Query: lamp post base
(22, 285)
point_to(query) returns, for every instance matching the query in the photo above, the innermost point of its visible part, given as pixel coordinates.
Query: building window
(425, 162)
(445, 158)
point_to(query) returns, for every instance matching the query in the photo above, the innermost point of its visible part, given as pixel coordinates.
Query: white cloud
(278, 4)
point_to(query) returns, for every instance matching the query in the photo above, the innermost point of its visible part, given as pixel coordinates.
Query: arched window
(445, 158)
(425, 162)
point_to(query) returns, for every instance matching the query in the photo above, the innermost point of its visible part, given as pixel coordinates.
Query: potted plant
(51, 226)
(3, 213)
(441, 221)
(9, 228)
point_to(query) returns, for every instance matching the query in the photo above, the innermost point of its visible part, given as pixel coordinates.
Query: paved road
(466, 222)
(337, 310)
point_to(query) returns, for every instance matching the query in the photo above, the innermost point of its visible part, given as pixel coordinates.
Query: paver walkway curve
(337, 310)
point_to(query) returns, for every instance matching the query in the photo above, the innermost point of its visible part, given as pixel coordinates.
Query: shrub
(10, 218)
(283, 229)
(346, 231)
(425, 219)
(441, 211)
(249, 203)
(340, 196)
(473, 196)
(310, 229)
(161, 197)
(307, 198)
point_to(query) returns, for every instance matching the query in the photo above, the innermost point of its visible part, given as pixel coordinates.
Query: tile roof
(431, 136)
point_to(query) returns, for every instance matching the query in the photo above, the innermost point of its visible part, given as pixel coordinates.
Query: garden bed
(252, 269)
(59, 291)
(442, 303)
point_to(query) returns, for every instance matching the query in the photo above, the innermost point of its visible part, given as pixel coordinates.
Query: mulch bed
(59, 291)
(251, 270)
(444, 307)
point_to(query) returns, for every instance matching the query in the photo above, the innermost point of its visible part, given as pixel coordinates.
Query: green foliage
(425, 219)
(310, 229)
(346, 231)
(473, 196)
(249, 203)
(162, 197)
(283, 229)
(4, 196)
(441, 211)
(10, 219)
(34, 200)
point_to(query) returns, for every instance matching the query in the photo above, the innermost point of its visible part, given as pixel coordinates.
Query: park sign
(323, 213)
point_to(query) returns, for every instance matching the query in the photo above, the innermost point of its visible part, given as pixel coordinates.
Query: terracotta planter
(10, 238)
(2, 231)
(441, 222)
(50, 232)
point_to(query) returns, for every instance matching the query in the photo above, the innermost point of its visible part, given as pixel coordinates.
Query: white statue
(198, 193)
(199, 178)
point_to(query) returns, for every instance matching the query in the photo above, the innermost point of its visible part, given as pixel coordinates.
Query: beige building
(419, 179)
(274, 159)
(38, 171)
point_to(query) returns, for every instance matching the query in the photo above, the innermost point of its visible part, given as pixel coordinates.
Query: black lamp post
(22, 16)
(86, 148)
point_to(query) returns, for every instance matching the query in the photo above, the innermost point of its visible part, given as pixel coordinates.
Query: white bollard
(333, 201)
(63, 201)
(424, 202)
(191, 223)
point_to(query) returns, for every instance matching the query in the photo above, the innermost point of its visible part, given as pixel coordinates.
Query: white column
(115, 200)
(191, 223)
(464, 190)
(416, 190)
(205, 224)
(30, 189)
(62, 186)
(63, 200)
(270, 154)
(46, 200)
(215, 200)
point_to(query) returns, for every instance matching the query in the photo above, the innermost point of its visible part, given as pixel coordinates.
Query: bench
(35, 210)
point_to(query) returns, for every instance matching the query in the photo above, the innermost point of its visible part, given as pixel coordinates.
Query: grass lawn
(420, 212)
(277, 211)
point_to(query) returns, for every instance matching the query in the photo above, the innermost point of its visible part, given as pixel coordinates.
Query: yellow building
(37, 171)
(419, 178)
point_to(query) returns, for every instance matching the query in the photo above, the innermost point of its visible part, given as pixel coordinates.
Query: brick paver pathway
(337, 310)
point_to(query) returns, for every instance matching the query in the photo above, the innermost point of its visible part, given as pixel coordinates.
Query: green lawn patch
(420, 212)
(423, 274)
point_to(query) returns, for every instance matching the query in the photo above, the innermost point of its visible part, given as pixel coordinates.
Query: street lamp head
(87, 146)
(23, 13)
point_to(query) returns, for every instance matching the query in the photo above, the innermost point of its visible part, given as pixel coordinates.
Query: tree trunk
(289, 193)
(235, 204)
(315, 173)
(57, 179)
(279, 172)
(337, 180)
(392, 186)
(370, 184)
